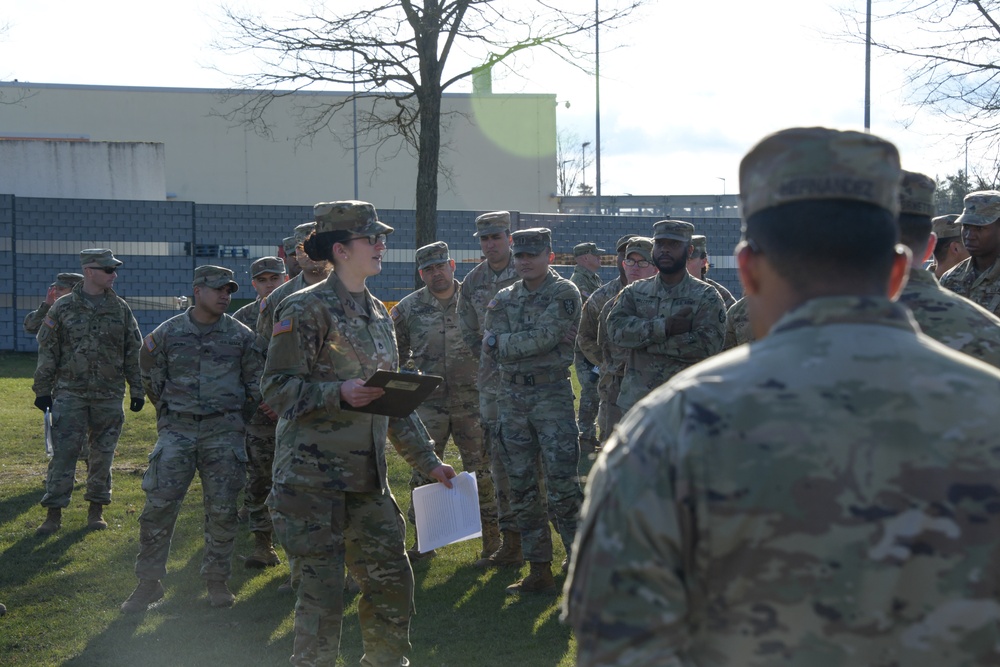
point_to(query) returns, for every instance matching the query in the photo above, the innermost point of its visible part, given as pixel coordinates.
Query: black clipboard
(403, 393)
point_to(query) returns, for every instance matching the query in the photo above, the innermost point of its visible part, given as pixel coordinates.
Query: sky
(686, 88)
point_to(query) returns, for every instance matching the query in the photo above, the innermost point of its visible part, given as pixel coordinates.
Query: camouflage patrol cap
(358, 217)
(267, 265)
(215, 277)
(700, 245)
(641, 245)
(431, 254)
(67, 280)
(532, 241)
(587, 249)
(946, 227)
(288, 244)
(816, 163)
(493, 222)
(98, 258)
(302, 232)
(678, 230)
(623, 241)
(981, 208)
(916, 194)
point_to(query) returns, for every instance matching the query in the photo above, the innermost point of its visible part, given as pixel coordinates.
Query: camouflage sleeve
(133, 343)
(286, 385)
(153, 365)
(49, 351)
(729, 340)
(468, 322)
(550, 328)
(252, 365)
(707, 332)
(497, 323)
(411, 439)
(33, 320)
(265, 319)
(626, 598)
(401, 323)
(626, 329)
(586, 336)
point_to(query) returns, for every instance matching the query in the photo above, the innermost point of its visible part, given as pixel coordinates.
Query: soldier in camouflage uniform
(978, 277)
(88, 347)
(289, 244)
(429, 341)
(530, 332)
(670, 321)
(331, 500)
(587, 280)
(266, 275)
(312, 273)
(943, 315)
(201, 370)
(823, 496)
(698, 266)
(949, 250)
(738, 329)
(481, 284)
(64, 284)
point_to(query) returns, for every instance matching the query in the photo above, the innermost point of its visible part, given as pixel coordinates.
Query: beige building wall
(498, 150)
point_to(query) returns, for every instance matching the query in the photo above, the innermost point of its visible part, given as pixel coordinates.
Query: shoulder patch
(394, 313)
(492, 304)
(569, 305)
(49, 322)
(284, 326)
(149, 342)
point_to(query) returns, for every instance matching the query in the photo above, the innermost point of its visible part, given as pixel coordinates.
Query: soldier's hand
(267, 410)
(51, 296)
(43, 403)
(443, 473)
(570, 337)
(680, 322)
(357, 395)
(136, 403)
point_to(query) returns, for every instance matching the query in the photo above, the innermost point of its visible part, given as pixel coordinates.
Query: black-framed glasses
(107, 269)
(373, 239)
(641, 263)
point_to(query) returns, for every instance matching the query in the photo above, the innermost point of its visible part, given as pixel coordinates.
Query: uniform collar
(825, 311)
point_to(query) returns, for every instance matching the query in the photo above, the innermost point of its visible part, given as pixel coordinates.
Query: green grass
(63, 591)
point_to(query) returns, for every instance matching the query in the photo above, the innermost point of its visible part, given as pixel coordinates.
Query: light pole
(723, 184)
(583, 164)
(597, 87)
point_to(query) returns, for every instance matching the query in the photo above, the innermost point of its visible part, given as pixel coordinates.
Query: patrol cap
(98, 258)
(678, 230)
(214, 277)
(946, 227)
(302, 232)
(700, 245)
(532, 241)
(289, 243)
(349, 215)
(916, 194)
(431, 254)
(641, 245)
(587, 249)
(493, 222)
(817, 163)
(981, 208)
(67, 280)
(267, 265)
(623, 241)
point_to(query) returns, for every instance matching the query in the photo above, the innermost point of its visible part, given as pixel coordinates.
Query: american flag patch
(284, 326)
(394, 314)
(492, 304)
(150, 343)
(49, 322)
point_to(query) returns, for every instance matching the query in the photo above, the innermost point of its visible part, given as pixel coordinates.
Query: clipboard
(403, 393)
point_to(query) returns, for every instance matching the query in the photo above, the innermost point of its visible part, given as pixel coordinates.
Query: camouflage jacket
(639, 321)
(249, 313)
(265, 318)
(614, 358)
(727, 297)
(33, 320)
(322, 338)
(983, 289)
(187, 371)
(530, 327)
(427, 335)
(738, 329)
(824, 496)
(952, 320)
(586, 337)
(88, 352)
(586, 281)
(478, 289)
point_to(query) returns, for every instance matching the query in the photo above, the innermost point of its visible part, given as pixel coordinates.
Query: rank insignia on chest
(284, 326)
(569, 305)
(263, 304)
(49, 322)
(150, 343)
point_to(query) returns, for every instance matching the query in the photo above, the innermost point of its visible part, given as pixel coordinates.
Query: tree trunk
(427, 165)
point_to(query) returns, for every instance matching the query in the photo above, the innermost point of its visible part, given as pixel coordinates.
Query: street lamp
(583, 163)
(723, 184)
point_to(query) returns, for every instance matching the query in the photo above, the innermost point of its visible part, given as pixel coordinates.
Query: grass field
(63, 591)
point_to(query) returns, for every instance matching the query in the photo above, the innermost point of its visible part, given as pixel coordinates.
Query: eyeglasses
(373, 239)
(641, 263)
(107, 269)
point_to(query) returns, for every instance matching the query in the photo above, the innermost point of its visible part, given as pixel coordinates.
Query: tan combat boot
(263, 554)
(491, 539)
(95, 517)
(539, 580)
(508, 555)
(219, 594)
(146, 593)
(52, 523)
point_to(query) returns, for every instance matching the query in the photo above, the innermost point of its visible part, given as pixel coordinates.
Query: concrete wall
(498, 150)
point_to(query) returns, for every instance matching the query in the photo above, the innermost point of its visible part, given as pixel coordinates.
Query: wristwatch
(491, 340)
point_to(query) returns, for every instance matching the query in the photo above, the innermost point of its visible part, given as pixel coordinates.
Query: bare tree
(569, 161)
(401, 56)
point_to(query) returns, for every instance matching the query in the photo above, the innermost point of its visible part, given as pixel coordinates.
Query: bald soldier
(978, 277)
(63, 285)
(823, 496)
(698, 266)
(587, 280)
(949, 250)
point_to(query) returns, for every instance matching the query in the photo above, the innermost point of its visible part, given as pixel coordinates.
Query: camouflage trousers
(609, 413)
(214, 448)
(589, 401)
(75, 421)
(535, 422)
(490, 420)
(260, 458)
(460, 421)
(324, 529)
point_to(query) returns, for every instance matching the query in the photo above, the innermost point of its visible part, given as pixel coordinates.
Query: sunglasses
(641, 263)
(107, 269)
(373, 239)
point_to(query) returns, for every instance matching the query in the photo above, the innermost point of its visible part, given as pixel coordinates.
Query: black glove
(136, 403)
(43, 403)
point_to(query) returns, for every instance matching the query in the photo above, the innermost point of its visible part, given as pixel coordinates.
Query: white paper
(445, 516)
(48, 432)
